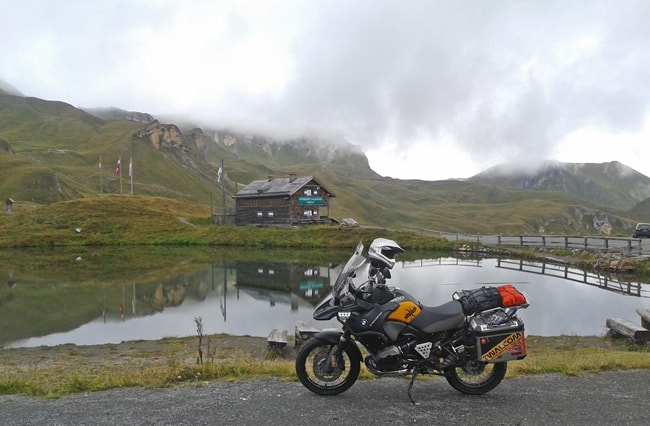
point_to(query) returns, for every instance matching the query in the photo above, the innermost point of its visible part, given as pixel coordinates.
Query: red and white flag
(117, 167)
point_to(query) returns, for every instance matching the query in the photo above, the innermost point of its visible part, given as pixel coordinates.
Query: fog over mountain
(428, 89)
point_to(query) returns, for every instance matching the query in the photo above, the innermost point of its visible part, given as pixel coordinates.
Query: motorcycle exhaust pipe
(370, 365)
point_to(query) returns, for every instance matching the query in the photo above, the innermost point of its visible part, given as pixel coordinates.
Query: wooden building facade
(283, 201)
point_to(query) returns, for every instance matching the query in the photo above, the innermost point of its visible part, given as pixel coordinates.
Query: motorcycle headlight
(343, 316)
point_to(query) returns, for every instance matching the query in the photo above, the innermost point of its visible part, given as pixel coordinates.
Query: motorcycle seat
(433, 319)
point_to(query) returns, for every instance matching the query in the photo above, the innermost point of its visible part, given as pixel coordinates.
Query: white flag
(219, 174)
(131, 167)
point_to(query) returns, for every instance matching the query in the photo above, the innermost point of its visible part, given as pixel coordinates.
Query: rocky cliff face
(169, 137)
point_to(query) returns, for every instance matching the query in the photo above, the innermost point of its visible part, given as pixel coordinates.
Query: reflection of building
(286, 201)
(285, 282)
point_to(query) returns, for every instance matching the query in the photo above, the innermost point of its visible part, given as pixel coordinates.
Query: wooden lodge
(283, 201)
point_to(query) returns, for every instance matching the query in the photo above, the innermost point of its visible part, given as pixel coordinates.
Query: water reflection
(561, 303)
(247, 297)
(617, 282)
(237, 297)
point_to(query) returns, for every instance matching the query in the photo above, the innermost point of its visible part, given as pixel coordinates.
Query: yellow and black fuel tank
(405, 312)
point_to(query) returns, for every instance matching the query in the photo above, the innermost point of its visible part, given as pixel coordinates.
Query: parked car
(641, 230)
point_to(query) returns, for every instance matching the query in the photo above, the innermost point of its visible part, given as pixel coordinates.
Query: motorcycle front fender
(334, 337)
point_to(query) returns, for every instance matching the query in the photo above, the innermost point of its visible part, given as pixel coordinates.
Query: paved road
(602, 399)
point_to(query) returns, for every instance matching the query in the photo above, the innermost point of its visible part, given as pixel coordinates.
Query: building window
(270, 214)
(260, 214)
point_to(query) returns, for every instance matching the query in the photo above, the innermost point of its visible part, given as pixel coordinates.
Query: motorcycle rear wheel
(476, 378)
(311, 368)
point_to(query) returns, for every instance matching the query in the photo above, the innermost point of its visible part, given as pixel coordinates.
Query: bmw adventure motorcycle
(468, 340)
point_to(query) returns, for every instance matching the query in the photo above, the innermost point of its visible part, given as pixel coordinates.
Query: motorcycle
(468, 340)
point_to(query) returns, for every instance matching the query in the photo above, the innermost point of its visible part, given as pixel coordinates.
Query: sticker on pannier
(510, 296)
(496, 348)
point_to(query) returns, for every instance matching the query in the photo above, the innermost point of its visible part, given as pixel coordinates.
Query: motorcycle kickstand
(413, 376)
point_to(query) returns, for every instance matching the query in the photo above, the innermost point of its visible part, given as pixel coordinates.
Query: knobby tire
(313, 374)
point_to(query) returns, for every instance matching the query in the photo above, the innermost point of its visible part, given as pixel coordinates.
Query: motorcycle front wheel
(475, 378)
(321, 376)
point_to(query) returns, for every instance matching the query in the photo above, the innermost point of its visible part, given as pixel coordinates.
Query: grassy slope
(49, 152)
(138, 219)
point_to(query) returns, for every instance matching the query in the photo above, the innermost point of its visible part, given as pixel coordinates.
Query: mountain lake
(85, 299)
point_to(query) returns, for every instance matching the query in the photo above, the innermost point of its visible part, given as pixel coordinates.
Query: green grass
(176, 364)
(135, 220)
(574, 355)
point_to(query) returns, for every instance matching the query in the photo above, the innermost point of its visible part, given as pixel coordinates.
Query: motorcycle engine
(386, 360)
(388, 352)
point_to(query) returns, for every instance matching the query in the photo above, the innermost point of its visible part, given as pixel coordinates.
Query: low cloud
(501, 81)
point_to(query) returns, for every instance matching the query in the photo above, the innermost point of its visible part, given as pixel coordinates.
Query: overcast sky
(428, 89)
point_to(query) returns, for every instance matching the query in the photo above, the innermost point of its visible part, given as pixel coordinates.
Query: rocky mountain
(612, 185)
(49, 152)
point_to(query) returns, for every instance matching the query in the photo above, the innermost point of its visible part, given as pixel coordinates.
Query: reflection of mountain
(45, 306)
(173, 291)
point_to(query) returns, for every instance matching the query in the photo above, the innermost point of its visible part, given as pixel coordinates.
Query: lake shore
(184, 350)
(54, 371)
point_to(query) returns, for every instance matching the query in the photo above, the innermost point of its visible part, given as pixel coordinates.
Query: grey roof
(276, 187)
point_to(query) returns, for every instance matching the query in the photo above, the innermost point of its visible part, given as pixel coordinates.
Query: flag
(131, 167)
(117, 167)
(100, 161)
(219, 172)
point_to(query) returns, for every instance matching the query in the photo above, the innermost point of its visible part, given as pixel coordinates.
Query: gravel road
(601, 399)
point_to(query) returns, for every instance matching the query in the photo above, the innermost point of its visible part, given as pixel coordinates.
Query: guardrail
(603, 243)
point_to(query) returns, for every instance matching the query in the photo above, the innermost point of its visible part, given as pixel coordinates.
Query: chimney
(292, 177)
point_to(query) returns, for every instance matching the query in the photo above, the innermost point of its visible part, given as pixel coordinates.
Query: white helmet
(383, 251)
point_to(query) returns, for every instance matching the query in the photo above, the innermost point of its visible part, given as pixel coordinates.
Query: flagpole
(118, 171)
(131, 173)
(101, 180)
(223, 193)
